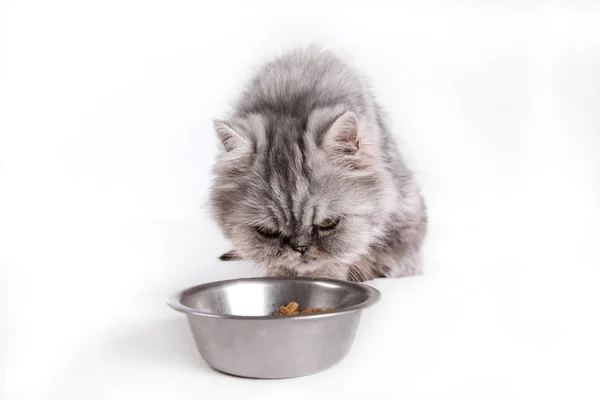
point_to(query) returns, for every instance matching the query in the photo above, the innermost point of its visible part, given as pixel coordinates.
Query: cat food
(293, 308)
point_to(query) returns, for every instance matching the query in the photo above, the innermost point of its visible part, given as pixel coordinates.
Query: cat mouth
(305, 259)
(308, 265)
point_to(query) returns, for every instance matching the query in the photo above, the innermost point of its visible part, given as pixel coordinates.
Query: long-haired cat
(309, 181)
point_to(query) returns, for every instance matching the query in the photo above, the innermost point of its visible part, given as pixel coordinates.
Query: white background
(105, 154)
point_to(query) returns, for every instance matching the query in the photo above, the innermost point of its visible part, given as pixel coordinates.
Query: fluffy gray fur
(309, 181)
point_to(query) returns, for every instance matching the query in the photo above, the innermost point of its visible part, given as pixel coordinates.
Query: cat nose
(300, 243)
(300, 248)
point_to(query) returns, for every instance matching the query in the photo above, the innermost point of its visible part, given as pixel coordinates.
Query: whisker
(354, 273)
(276, 271)
(258, 271)
(365, 277)
(358, 271)
(363, 272)
(368, 274)
(350, 275)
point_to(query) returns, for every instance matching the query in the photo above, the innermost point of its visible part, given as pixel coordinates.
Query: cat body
(309, 181)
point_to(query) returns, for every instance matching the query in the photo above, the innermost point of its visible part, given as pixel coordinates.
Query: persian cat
(309, 181)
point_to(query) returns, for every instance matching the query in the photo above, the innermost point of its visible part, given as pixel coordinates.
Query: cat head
(300, 195)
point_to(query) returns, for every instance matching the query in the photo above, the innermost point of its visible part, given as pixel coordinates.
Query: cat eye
(328, 224)
(266, 232)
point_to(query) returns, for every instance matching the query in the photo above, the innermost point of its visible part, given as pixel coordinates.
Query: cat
(309, 181)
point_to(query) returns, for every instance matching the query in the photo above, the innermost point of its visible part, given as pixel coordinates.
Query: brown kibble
(292, 308)
(289, 308)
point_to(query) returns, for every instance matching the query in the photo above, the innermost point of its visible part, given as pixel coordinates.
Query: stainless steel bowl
(235, 331)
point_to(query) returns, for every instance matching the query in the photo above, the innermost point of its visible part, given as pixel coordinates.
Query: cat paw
(230, 256)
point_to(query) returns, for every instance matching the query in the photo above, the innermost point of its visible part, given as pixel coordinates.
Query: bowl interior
(262, 297)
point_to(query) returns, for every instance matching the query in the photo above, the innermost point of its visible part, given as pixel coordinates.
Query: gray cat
(309, 181)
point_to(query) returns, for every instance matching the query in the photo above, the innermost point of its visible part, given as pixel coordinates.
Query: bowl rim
(373, 296)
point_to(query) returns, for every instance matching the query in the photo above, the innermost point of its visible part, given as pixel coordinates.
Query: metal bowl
(236, 333)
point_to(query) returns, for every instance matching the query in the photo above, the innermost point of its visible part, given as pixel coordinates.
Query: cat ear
(343, 136)
(230, 139)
